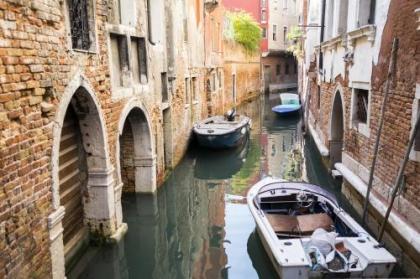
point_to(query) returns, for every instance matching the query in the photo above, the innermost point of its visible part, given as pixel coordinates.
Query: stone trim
(383, 190)
(368, 31)
(331, 43)
(415, 155)
(323, 150)
(54, 223)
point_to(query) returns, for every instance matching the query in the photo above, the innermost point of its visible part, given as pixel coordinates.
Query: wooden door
(72, 177)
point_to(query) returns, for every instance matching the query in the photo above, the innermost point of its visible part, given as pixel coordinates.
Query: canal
(198, 225)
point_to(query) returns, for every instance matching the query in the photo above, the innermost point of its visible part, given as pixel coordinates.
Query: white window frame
(415, 155)
(362, 128)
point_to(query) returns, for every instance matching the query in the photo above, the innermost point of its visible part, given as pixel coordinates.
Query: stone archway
(336, 129)
(136, 156)
(79, 110)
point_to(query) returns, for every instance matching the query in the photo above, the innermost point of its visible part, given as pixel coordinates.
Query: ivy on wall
(295, 36)
(243, 29)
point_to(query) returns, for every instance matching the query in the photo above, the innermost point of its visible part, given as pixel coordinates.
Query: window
(187, 90)
(319, 97)
(263, 15)
(361, 105)
(194, 87)
(366, 12)
(361, 109)
(213, 82)
(155, 10)
(119, 60)
(286, 69)
(264, 32)
(81, 28)
(220, 79)
(274, 32)
(126, 8)
(263, 3)
(139, 60)
(285, 4)
(277, 70)
(164, 82)
(234, 88)
(285, 34)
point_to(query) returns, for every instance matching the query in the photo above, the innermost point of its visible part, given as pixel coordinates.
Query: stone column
(56, 243)
(145, 174)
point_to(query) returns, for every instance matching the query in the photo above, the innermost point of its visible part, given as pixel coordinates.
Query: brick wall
(401, 23)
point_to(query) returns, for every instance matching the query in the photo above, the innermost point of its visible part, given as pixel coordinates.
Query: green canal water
(198, 225)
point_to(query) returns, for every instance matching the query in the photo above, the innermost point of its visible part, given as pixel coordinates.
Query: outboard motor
(230, 114)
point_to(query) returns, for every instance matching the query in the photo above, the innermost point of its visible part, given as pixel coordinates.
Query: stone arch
(135, 123)
(337, 121)
(98, 200)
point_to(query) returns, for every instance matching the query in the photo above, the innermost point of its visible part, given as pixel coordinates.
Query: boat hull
(286, 109)
(228, 140)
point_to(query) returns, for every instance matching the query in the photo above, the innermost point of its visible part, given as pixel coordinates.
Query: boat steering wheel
(303, 200)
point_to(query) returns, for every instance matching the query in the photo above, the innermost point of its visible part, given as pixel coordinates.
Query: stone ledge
(409, 233)
(321, 147)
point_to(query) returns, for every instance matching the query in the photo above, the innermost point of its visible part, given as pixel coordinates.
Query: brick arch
(81, 97)
(338, 93)
(336, 126)
(98, 205)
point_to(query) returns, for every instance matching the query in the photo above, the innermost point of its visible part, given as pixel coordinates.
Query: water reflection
(193, 228)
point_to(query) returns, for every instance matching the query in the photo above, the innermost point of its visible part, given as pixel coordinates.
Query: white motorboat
(307, 235)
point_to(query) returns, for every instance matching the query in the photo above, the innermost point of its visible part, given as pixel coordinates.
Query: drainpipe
(321, 39)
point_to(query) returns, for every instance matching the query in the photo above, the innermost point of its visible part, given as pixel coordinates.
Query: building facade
(278, 64)
(344, 75)
(97, 98)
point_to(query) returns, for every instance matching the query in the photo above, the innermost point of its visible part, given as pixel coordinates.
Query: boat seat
(301, 224)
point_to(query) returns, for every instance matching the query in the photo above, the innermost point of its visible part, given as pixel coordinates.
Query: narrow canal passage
(198, 226)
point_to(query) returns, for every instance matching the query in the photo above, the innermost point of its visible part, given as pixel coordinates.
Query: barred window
(79, 24)
(362, 99)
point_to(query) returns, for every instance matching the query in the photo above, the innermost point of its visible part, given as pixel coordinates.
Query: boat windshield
(301, 186)
(289, 99)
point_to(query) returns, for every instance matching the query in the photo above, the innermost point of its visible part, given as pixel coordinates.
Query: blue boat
(289, 104)
(219, 132)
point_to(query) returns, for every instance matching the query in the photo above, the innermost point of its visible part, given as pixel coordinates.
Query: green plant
(244, 30)
(295, 37)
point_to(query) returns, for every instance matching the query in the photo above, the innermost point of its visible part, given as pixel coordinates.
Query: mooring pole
(381, 122)
(399, 177)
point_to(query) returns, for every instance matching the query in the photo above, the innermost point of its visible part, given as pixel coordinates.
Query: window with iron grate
(80, 26)
(362, 103)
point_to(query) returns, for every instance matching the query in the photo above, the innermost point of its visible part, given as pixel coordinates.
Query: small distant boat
(220, 132)
(289, 104)
(306, 234)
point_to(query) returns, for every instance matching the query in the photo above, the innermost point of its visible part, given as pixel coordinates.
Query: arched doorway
(137, 163)
(82, 170)
(336, 130)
